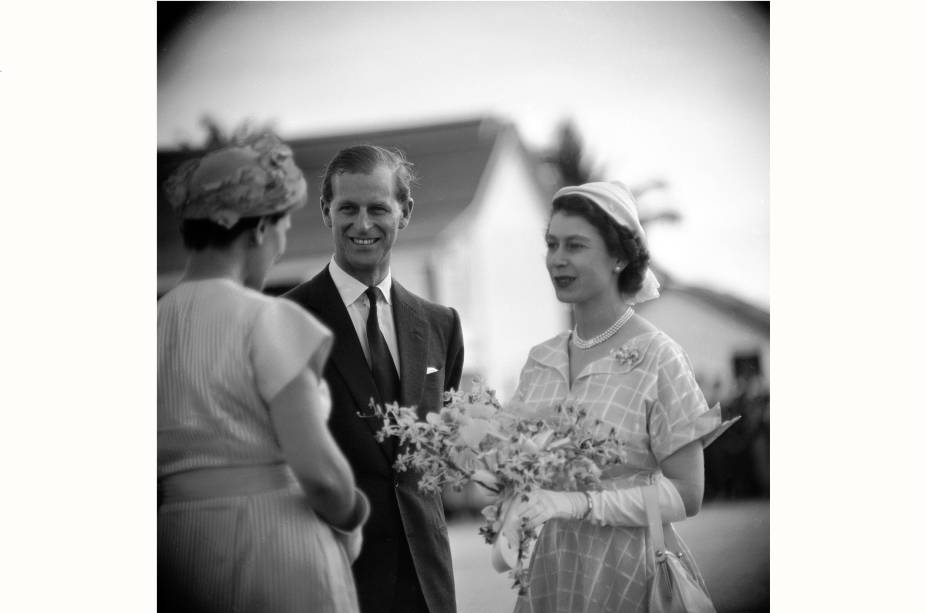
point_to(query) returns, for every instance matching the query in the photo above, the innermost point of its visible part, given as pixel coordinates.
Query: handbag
(674, 588)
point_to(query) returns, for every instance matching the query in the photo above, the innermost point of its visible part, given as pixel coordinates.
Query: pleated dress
(646, 390)
(253, 544)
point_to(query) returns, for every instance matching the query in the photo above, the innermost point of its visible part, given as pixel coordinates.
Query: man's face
(365, 217)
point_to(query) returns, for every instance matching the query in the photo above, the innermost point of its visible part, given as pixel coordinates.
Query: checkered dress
(647, 391)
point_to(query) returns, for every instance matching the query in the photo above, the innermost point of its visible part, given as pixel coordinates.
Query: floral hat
(254, 177)
(616, 199)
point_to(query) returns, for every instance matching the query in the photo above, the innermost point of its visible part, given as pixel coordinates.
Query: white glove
(544, 505)
(627, 508)
(609, 508)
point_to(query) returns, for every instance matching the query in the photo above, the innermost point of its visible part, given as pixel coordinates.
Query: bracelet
(588, 498)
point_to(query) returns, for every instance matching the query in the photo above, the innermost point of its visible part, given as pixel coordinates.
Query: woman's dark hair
(199, 234)
(620, 241)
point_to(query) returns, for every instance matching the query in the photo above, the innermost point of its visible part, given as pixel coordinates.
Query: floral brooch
(625, 356)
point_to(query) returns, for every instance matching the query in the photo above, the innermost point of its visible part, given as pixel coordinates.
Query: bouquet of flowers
(474, 439)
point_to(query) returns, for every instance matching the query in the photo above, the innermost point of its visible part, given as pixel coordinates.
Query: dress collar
(554, 353)
(351, 289)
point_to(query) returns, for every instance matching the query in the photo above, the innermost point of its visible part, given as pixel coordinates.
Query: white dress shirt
(358, 307)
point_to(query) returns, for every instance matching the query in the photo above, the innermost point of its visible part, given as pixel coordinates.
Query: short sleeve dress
(646, 390)
(224, 351)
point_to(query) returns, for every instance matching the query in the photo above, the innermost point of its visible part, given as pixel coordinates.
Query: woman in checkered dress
(593, 552)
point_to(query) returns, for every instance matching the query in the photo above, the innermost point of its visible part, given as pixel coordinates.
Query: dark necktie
(384, 372)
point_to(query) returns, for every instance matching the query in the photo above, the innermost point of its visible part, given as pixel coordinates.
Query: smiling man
(390, 346)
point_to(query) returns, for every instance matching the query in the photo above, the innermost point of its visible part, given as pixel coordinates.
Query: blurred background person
(738, 465)
(257, 506)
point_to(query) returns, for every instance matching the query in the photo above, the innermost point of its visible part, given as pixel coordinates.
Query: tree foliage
(570, 160)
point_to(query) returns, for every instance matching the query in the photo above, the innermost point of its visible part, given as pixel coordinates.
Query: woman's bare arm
(311, 451)
(685, 469)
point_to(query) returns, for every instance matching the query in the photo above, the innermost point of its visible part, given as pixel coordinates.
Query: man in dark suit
(403, 349)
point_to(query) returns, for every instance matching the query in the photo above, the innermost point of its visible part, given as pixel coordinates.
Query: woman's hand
(544, 505)
(352, 542)
(351, 538)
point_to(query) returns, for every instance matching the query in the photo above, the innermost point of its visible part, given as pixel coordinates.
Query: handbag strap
(654, 517)
(661, 538)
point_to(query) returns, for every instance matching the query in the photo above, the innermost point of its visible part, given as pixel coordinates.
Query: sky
(677, 92)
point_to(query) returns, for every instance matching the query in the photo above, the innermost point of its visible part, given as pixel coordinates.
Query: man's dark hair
(364, 159)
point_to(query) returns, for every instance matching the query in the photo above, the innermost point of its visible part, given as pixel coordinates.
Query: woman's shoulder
(658, 351)
(233, 301)
(647, 349)
(251, 304)
(216, 297)
(656, 342)
(287, 312)
(210, 289)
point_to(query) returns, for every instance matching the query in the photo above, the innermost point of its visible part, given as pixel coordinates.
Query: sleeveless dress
(647, 391)
(223, 352)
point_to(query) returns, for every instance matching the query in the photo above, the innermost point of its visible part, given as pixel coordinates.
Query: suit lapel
(412, 334)
(347, 355)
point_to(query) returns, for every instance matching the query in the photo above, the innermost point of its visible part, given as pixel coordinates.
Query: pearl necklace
(611, 331)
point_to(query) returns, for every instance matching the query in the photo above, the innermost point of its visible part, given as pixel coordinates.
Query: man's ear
(326, 212)
(406, 213)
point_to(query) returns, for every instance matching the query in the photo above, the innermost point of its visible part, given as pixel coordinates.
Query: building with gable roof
(475, 242)
(726, 338)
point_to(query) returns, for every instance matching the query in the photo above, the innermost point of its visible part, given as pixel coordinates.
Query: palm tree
(569, 157)
(570, 161)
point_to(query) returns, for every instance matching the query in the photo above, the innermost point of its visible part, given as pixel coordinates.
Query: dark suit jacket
(429, 335)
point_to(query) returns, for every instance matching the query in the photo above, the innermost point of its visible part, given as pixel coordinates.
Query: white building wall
(491, 268)
(710, 336)
(455, 281)
(488, 264)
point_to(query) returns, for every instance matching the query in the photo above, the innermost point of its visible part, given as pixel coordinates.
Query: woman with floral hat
(257, 506)
(593, 553)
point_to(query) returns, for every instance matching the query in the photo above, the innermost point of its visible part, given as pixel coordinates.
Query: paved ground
(730, 541)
